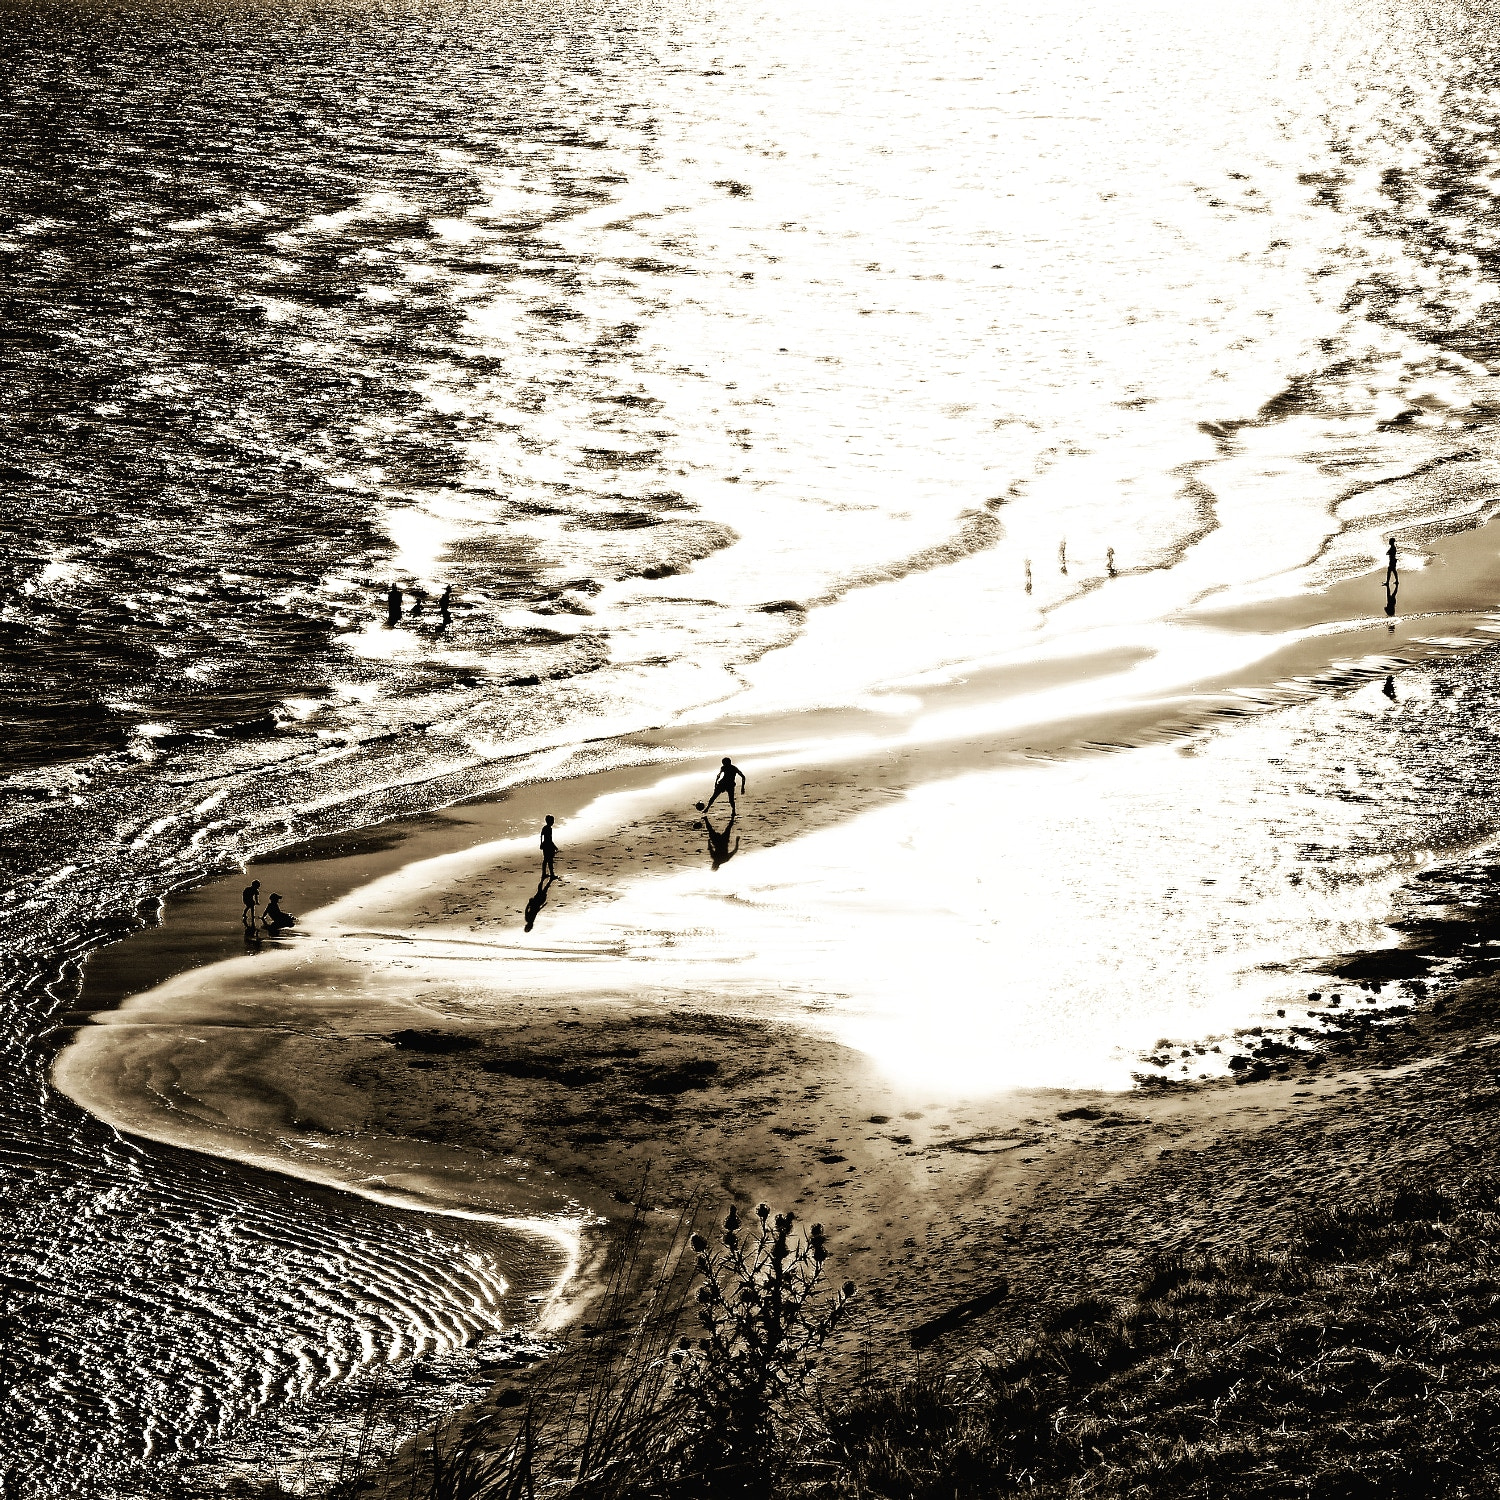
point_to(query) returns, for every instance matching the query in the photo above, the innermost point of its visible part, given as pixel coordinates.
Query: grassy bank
(1362, 1357)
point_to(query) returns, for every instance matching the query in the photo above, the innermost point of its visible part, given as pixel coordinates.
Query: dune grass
(1360, 1359)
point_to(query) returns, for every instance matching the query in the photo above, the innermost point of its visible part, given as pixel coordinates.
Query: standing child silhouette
(724, 785)
(549, 849)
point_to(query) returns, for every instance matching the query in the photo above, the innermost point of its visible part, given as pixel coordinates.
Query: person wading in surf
(725, 784)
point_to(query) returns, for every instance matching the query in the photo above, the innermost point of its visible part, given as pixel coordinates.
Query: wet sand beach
(449, 1032)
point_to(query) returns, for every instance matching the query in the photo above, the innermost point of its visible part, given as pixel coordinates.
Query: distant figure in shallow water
(549, 850)
(718, 843)
(252, 900)
(275, 919)
(445, 605)
(420, 595)
(538, 901)
(1391, 575)
(724, 785)
(1390, 688)
(392, 605)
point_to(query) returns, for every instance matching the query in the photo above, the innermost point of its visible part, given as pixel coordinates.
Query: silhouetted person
(252, 900)
(276, 920)
(718, 843)
(538, 901)
(724, 785)
(1390, 688)
(445, 605)
(1390, 564)
(392, 605)
(549, 849)
(420, 595)
(1109, 561)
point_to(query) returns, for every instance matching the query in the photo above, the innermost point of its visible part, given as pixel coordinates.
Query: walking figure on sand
(549, 850)
(724, 785)
(1391, 573)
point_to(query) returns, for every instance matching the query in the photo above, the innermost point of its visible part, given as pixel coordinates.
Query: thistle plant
(745, 1388)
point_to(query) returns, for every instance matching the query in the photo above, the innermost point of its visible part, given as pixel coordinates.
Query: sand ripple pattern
(155, 1299)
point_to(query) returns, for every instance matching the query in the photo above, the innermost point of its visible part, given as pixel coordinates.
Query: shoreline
(937, 1157)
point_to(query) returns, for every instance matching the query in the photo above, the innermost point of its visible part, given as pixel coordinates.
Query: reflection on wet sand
(538, 900)
(719, 851)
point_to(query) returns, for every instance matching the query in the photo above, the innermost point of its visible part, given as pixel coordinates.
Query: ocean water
(712, 355)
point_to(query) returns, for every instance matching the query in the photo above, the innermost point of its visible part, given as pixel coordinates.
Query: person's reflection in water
(1390, 688)
(538, 901)
(1391, 590)
(718, 842)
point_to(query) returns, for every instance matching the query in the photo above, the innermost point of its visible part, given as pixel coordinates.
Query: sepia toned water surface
(715, 357)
